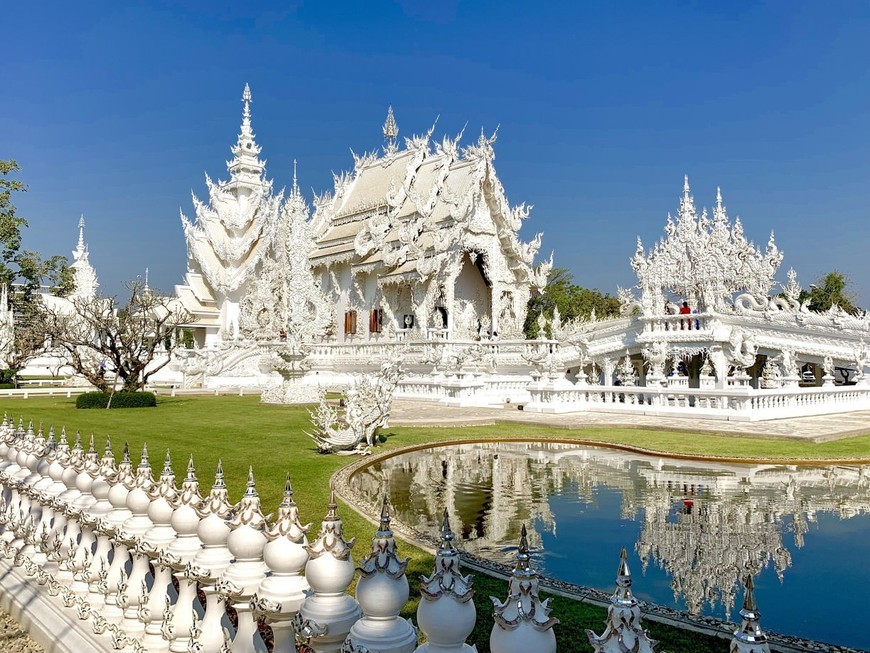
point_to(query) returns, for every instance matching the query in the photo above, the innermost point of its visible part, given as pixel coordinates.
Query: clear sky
(115, 109)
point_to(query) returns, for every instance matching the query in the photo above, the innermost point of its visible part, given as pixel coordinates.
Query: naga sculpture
(367, 410)
(742, 349)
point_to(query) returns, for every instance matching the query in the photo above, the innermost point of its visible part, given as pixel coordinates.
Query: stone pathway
(14, 639)
(821, 428)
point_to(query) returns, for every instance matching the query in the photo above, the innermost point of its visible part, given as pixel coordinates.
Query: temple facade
(421, 241)
(416, 242)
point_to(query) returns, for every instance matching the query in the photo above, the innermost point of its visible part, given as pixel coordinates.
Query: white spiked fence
(99, 556)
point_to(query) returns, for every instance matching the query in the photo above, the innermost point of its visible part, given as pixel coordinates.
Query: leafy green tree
(19, 265)
(572, 300)
(829, 290)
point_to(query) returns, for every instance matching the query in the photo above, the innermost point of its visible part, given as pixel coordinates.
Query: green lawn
(243, 432)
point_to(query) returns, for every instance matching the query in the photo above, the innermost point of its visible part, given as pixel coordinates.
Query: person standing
(685, 310)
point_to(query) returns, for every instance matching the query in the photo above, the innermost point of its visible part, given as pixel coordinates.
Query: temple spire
(81, 244)
(245, 165)
(391, 132)
(294, 191)
(246, 113)
(85, 276)
(687, 202)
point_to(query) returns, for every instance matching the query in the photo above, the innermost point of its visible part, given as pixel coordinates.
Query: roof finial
(294, 191)
(687, 202)
(391, 131)
(251, 487)
(385, 517)
(246, 112)
(81, 244)
(523, 556)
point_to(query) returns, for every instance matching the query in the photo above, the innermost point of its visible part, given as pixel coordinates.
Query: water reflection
(705, 524)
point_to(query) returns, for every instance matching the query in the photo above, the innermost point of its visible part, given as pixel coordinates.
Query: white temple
(415, 256)
(416, 244)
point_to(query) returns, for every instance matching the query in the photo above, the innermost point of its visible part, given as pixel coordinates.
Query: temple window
(376, 320)
(350, 322)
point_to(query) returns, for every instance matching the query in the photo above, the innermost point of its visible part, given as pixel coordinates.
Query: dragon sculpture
(367, 411)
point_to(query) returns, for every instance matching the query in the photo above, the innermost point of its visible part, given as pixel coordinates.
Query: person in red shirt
(685, 310)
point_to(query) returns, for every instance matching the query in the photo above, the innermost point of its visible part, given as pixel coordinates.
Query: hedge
(119, 400)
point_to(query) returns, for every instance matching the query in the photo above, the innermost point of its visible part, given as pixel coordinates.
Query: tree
(19, 265)
(100, 336)
(829, 290)
(27, 341)
(572, 301)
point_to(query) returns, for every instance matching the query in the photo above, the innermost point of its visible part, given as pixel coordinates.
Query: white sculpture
(789, 364)
(742, 349)
(244, 575)
(84, 274)
(624, 631)
(705, 260)
(327, 615)
(656, 355)
(367, 410)
(771, 375)
(285, 300)
(749, 638)
(234, 231)
(862, 360)
(281, 594)
(446, 613)
(382, 591)
(213, 559)
(625, 372)
(522, 620)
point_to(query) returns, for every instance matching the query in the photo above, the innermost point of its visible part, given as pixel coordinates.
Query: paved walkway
(822, 428)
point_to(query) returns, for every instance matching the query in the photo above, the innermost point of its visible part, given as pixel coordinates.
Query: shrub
(119, 400)
(8, 375)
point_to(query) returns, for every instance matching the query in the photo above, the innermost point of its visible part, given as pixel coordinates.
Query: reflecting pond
(693, 526)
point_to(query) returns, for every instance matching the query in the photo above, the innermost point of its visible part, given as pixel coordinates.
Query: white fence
(99, 557)
(739, 403)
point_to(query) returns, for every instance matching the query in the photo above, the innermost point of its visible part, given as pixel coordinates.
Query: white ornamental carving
(233, 232)
(85, 276)
(286, 301)
(367, 410)
(703, 260)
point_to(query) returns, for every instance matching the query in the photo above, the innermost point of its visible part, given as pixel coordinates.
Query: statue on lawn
(367, 411)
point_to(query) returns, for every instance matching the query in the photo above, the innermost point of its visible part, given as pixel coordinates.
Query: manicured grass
(243, 432)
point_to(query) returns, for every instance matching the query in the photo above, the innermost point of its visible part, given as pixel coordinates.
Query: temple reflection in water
(704, 523)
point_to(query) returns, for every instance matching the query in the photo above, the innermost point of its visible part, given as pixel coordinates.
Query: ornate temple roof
(705, 260)
(414, 204)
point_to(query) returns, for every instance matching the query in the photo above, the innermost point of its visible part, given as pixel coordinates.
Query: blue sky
(115, 110)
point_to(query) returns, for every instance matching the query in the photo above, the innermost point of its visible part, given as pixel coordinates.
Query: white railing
(733, 403)
(47, 391)
(89, 549)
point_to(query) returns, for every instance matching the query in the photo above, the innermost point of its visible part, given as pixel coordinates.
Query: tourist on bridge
(685, 310)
